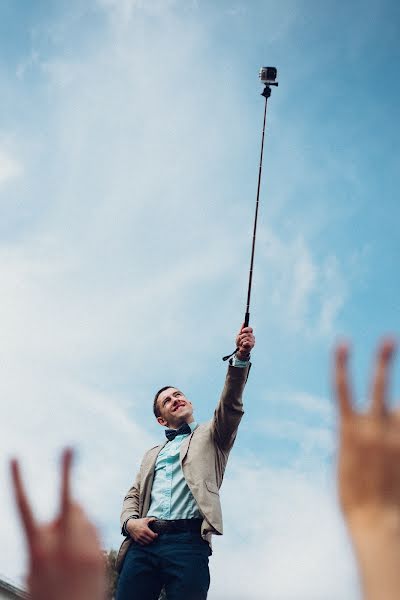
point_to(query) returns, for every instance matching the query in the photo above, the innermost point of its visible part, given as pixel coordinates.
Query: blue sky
(129, 145)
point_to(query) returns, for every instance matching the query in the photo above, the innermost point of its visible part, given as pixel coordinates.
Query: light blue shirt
(171, 497)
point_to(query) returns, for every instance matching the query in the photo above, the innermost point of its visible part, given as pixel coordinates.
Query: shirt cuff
(124, 530)
(234, 361)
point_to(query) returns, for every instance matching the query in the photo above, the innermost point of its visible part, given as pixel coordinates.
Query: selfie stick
(268, 78)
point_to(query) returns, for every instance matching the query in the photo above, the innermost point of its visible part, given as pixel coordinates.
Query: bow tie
(172, 433)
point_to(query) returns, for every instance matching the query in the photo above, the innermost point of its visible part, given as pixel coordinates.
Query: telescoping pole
(268, 77)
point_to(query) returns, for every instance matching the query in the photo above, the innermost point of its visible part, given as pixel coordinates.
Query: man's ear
(162, 421)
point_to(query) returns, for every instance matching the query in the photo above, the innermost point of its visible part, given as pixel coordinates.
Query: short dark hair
(156, 410)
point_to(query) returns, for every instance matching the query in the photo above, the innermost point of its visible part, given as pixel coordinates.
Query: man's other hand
(245, 342)
(140, 531)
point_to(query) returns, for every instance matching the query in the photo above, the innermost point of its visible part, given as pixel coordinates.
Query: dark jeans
(178, 561)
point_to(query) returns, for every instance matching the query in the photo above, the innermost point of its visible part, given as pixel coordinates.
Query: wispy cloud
(308, 291)
(284, 538)
(10, 168)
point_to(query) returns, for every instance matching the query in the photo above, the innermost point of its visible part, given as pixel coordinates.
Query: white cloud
(125, 9)
(10, 168)
(316, 405)
(310, 438)
(27, 64)
(283, 540)
(308, 291)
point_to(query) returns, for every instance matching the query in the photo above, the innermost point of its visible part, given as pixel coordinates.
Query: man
(172, 510)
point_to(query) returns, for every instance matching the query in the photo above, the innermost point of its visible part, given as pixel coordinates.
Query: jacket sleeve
(229, 411)
(130, 506)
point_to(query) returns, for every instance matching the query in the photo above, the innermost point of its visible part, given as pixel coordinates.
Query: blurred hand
(140, 532)
(245, 342)
(369, 456)
(65, 559)
(369, 477)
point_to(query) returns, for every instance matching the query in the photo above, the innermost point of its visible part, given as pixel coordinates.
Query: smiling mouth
(178, 407)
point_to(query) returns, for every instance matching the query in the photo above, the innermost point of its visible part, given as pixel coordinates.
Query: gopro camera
(268, 75)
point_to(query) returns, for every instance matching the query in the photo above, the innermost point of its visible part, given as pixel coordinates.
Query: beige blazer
(203, 457)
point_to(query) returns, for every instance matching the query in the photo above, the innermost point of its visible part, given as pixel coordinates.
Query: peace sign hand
(369, 456)
(369, 477)
(64, 555)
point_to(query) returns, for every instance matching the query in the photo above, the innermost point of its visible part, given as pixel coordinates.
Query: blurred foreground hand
(65, 561)
(369, 477)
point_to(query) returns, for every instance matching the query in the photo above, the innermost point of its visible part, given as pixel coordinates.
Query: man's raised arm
(229, 411)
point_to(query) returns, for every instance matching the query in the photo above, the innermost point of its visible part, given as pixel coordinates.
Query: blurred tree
(112, 575)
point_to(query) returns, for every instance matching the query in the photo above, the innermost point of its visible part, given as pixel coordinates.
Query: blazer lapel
(148, 475)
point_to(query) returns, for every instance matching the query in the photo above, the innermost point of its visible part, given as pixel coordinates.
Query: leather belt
(175, 525)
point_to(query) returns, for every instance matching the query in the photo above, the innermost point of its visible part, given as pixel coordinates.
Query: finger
(246, 331)
(144, 539)
(244, 335)
(246, 343)
(342, 388)
(66, 461)
(380, 382)
(76, 532)
(24, 508)
(147, 539)
(150, 533)
(396, 416)
(247, 334)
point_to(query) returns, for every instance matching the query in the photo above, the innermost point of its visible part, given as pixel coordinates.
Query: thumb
(150, 519)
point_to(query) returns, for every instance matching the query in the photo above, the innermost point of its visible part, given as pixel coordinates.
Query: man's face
(175, 409)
